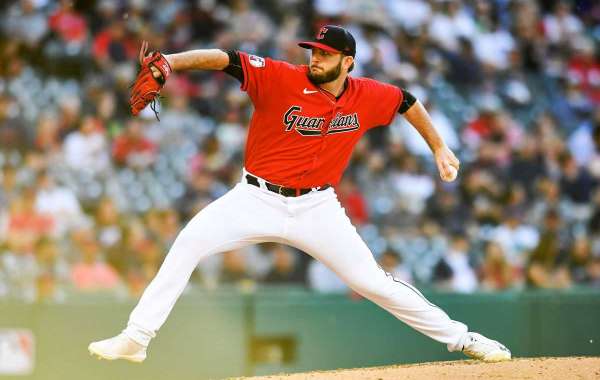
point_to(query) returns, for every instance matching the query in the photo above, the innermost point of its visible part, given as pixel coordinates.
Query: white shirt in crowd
(413, 140)
(494, 48)
(446, 29)
(463, 279)
(62, 204)
(87, 152)
(323, 280)
(516, 241)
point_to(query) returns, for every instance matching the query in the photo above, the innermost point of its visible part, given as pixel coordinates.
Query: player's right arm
(256, 74)
(202, 59)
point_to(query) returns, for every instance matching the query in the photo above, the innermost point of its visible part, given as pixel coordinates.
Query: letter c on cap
(322, 32)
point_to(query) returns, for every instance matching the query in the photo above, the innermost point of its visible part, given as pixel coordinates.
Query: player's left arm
(418, 117)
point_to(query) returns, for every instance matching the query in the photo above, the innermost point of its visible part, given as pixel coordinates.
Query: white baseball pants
(315, 223)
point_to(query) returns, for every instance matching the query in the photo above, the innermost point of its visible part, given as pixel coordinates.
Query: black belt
(285, 191)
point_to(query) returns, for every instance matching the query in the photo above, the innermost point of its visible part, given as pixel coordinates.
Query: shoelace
(153, 106)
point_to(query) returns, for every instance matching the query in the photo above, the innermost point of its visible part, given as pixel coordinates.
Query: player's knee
(188, 240)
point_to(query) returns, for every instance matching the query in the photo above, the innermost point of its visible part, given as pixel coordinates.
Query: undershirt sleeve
(408, 100)
(235, 65)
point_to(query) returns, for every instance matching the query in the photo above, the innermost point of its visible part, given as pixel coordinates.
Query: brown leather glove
(146, 87)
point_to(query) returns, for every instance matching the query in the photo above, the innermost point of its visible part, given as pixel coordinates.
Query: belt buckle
(279, 191)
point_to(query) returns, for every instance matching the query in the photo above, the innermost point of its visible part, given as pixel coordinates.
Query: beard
(325, 76)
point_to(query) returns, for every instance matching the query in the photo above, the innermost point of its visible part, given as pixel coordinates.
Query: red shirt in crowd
(587, 74)
(71, 26)
(125, 145)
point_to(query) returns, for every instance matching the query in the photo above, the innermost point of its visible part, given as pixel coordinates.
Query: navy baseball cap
(334, 39)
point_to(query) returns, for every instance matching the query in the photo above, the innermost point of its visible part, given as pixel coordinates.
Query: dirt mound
(526, 368)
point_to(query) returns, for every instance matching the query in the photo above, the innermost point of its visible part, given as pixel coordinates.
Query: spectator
(496, 272)
(108, 221)
(464, 69)
(323, 280)
(180, 122)
(353, 201)
(19, 267)
(527, 164)
(231, 134)
(577, 185)
(493, 45)
(234, 270)
(8, 186)
(54, 271)
(132, 148)
(201, 190)
(59, 202)
(248, 25)
(112, 45)
(69, 25)
(86, 149)
(580, 260)
(516, 238)
(548, 199)
(454, 271)
(547, 267)
(147, 259)
(26, 23)
(412, 185)
(561, 26)
(47, 137)
(584, 69)
(24, 220)
(415, 143)
(163, 225)
(450, 22)
(136, 239)
(594, 272)
(576, 182)
(90, 273)
(446, 208)
(391, 263)
(13, 134)
(285, 269)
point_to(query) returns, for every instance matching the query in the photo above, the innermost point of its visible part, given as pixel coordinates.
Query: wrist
(169, 59)
(438, 148)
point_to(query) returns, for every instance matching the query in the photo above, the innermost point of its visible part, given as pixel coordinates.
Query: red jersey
(301, 135)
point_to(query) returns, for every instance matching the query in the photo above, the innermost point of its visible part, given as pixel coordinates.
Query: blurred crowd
(91, 198)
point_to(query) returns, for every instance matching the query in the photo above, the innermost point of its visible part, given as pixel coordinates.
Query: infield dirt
(583, 368)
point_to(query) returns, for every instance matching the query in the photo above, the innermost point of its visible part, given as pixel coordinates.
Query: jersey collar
(327, 93)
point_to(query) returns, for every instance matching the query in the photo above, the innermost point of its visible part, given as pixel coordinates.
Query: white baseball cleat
(118, 347)
(481, 348)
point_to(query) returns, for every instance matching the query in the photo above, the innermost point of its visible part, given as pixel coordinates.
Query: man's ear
(348, 62)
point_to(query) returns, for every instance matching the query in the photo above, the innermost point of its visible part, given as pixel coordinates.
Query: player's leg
(326, 233)
(241, 217)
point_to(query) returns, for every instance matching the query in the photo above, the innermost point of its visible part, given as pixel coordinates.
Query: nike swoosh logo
(307, 91)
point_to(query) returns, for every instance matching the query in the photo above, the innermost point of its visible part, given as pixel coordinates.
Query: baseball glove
(146, 88)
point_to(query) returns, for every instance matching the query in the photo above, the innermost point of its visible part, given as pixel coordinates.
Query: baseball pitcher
(306, 122)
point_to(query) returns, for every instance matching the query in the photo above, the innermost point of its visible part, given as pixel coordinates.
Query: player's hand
(447, 164)
(143, 54)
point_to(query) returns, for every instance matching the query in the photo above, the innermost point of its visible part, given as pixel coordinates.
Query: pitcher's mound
(526, 368)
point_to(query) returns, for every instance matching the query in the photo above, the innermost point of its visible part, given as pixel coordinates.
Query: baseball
(453, 174)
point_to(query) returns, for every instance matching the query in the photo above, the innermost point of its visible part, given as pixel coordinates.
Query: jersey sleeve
(386, 99)
(259, 75)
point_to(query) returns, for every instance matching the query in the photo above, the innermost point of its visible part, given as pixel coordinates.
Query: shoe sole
(499, 356)
(494, 356)
(100, 355)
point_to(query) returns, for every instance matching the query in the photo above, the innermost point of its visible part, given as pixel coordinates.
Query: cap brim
(311, 44)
